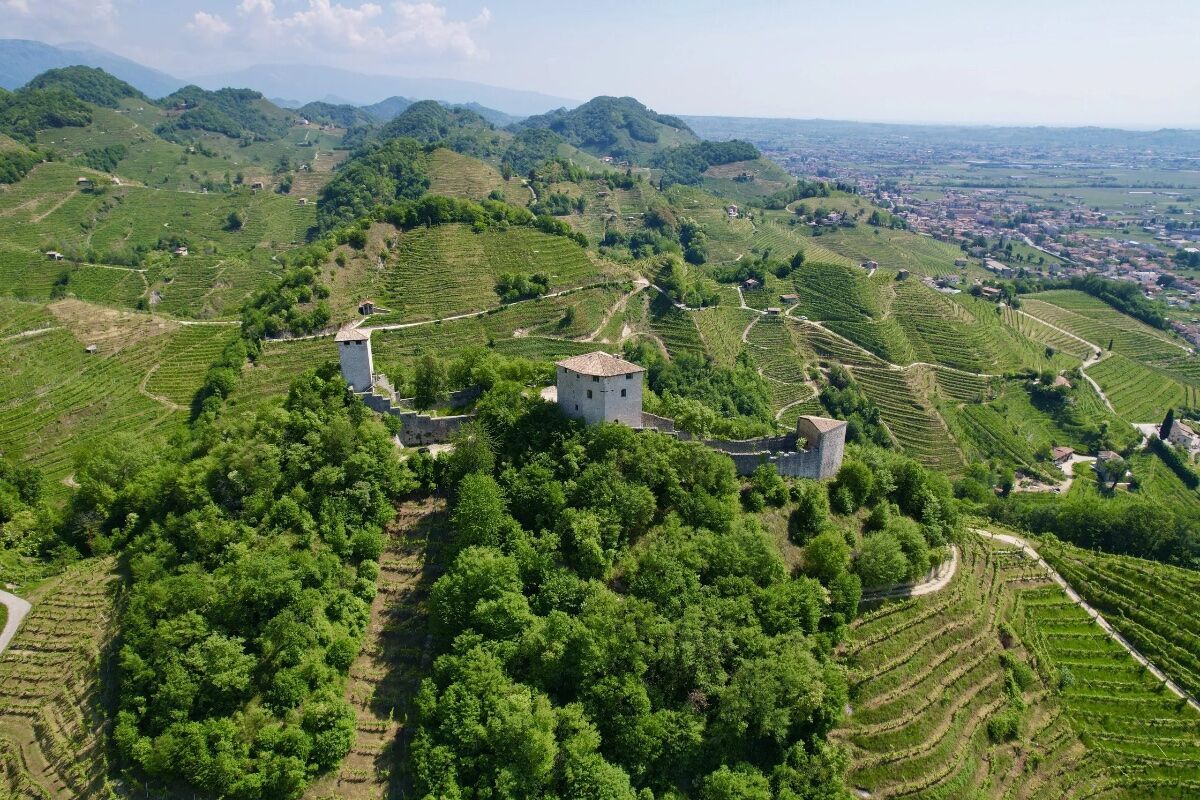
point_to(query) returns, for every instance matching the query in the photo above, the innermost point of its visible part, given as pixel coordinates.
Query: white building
(597, 387)
(354, 351)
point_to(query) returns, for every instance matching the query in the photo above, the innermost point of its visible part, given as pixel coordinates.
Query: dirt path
(935, 580)
(17, 609)
(1074, 596)
(639, 285)
(35, 332)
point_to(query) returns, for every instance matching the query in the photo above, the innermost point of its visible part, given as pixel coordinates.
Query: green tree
(430, 381)
(826, 556)
(881, 561)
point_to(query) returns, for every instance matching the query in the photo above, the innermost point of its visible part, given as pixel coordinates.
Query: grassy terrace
(51, 719)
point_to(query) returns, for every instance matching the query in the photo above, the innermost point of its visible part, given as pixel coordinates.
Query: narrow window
(596, 378)
(622, 393)
(628, 375)
(589, 394)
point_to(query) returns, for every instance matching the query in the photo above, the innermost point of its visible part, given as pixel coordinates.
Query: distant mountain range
(22, 59)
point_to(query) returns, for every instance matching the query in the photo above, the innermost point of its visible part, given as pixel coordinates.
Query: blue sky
(1016, 62)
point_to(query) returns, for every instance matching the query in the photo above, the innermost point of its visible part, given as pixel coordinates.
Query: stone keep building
(597, 387)
(354, 351)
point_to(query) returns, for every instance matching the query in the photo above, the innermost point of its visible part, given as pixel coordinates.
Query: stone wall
(417, 429)
(822, 459)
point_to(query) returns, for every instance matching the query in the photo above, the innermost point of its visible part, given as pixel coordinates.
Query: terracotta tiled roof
(823, 424)
(600, 364)
(352, 335)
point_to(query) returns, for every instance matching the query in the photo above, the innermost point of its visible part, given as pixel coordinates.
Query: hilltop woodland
(244, 588)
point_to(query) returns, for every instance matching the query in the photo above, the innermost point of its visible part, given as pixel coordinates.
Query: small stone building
(354, 351)
(598, 387)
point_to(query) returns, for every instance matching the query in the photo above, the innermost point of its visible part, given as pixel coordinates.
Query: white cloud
(401, 28)
(210, 27)
(55, 17)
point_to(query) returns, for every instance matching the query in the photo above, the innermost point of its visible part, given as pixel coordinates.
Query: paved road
(17, 609)
(1016, 541)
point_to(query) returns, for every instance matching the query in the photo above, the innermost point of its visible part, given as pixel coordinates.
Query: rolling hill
(620, 127)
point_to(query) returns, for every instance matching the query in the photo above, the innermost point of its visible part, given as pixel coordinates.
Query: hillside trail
(17, 609)
(1095, 355)
(1074, 596)
(27, 334)
(639, 285)
(935, 580)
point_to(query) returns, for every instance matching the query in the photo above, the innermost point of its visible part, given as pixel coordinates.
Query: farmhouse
(1062, 454)
(180, 251)
(751, 283)
(789, 299)
(1181, 435)
(54, 255)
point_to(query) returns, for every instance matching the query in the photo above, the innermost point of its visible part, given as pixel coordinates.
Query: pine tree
(1165, 429)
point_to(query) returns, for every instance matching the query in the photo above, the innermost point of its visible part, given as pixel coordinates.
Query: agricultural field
(52, 691)
(928, 679)
(58, 399)
(448, 269)
(1149, 602)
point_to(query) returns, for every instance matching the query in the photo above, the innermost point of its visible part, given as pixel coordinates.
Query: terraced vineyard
(395, 656)
(1150, 603)
(926, 676)
(57, 399)
(914, 422)
(456, 175)
(1146, 738)
(419, 285)
(51, 718)
(185, 359)
(836, 292)
(1140, 393)
(1098, 323)
(674, 327)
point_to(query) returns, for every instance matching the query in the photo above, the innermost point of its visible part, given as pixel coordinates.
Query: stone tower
(826, 438)
(597, 387)
(354, 351)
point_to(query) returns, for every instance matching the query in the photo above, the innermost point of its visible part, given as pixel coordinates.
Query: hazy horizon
(933, 62)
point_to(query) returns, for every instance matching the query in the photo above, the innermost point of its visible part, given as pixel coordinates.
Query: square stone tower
(825, 437)
(597, 387)
(354, 351)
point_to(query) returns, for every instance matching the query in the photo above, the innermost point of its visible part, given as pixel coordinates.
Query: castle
(598, 387)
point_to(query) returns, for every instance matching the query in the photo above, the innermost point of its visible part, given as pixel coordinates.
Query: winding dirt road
(17, 609)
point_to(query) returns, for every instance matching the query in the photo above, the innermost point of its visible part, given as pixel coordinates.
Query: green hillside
(307, 609)
(89, 84)
(620, 127)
